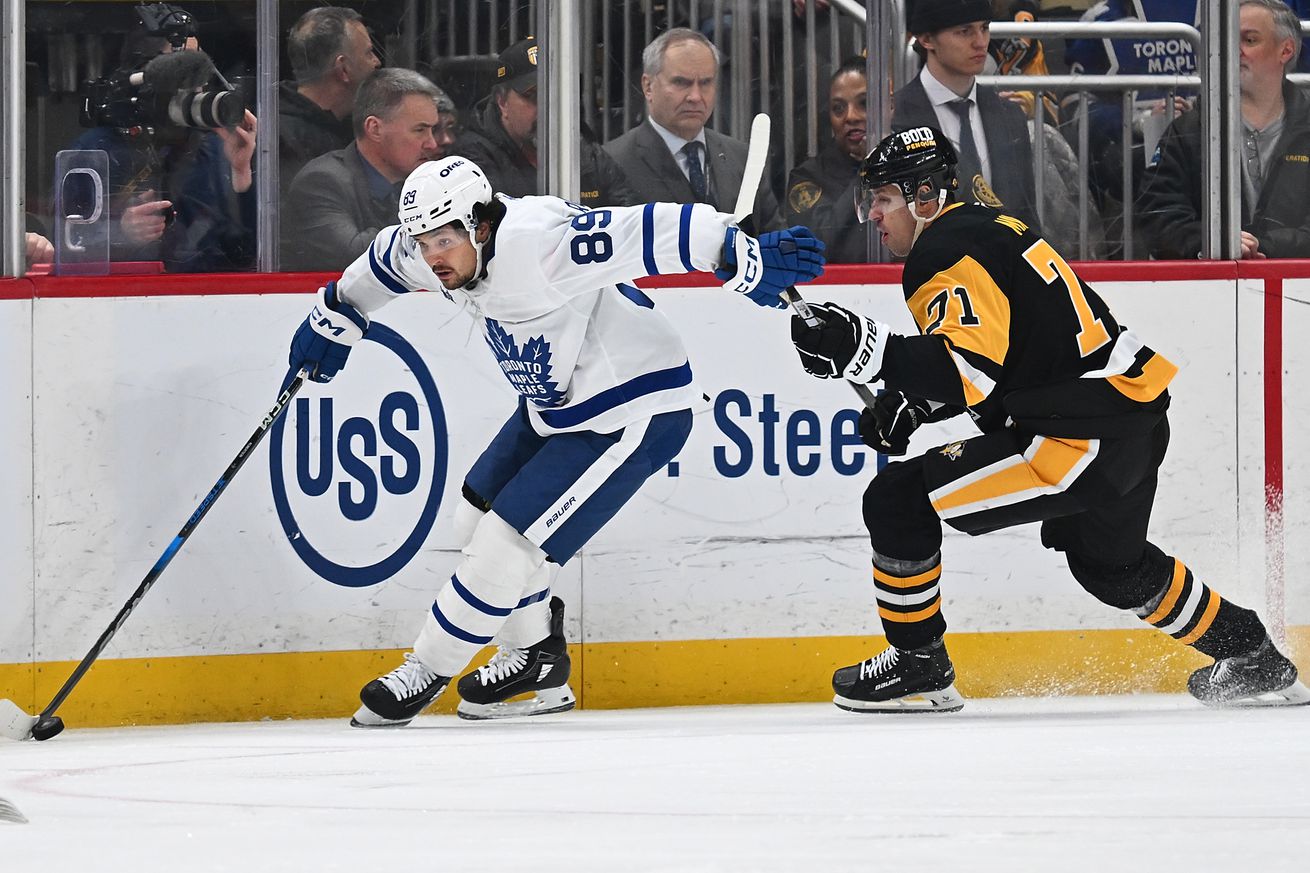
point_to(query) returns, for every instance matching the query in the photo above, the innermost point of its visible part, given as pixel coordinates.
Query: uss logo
(358, 483)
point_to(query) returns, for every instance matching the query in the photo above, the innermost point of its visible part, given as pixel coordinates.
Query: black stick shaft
(191, 524)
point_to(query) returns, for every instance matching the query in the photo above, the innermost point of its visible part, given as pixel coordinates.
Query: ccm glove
(323, 341)
(844, 346)
(888, 425)
(743, 270)
(791, 256)
(762, 269)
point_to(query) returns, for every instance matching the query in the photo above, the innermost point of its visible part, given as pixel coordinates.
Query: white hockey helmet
(439, 192)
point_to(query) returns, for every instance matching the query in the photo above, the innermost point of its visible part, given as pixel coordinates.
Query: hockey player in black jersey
(1072, 410)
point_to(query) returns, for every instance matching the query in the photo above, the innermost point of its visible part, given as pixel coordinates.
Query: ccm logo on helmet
(446, 170)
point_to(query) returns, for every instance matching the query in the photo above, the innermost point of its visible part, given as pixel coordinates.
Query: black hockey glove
(887, 427)
(846, 345)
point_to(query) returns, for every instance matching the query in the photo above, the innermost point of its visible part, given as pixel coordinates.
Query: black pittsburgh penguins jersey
(1009, 331)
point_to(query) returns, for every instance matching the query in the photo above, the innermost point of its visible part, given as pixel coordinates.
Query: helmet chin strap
(920, 222)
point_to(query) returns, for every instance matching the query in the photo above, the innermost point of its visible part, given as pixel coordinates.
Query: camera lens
(207, 110)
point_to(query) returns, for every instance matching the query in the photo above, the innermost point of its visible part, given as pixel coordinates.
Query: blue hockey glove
(791, 256)
(322, 342)
(762, 269)
(887, 427)
(845, 346)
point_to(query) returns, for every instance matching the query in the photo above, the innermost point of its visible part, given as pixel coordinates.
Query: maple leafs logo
(527, 369)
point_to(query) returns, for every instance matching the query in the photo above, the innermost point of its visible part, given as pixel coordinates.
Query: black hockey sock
(1195, 615)
(909, 600)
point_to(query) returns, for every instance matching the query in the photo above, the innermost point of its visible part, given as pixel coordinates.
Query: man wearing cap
(502, 140)
(990, 134)
(672, 156)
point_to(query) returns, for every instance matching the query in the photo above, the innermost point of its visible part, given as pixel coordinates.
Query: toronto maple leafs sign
(527, 369)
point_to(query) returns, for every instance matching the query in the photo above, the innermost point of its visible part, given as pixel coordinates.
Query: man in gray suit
(340, 200)
(672, 156)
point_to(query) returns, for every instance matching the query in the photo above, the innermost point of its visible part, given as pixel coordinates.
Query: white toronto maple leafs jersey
(585, 348)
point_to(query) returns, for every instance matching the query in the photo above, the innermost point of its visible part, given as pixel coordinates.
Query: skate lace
(409, 678)
(506, 662)
(880, 663)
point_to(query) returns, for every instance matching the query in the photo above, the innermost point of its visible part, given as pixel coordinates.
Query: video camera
(165, 88)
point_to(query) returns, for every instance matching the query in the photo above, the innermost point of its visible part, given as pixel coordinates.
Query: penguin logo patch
(953, 451)
(803, 196)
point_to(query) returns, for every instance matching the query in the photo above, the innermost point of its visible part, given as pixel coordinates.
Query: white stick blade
(14, 723)
(9, 812)
(756, 154)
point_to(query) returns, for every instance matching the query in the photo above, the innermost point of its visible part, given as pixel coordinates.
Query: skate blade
(367, 718)
(546, 701)
(946, 700)
(1295, 694)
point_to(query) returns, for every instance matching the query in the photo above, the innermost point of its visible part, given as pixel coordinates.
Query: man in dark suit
(672, 156)
(990, 134)
(340, 200)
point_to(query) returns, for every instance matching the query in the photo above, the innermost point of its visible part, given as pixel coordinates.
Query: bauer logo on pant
(358, 468)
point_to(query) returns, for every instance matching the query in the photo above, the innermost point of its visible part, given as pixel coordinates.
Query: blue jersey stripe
(533, 598)
(391, 246)
(456, 632)
(647, 383)
(380, 273)
(474, 601)
(648, 239)
(684, 238)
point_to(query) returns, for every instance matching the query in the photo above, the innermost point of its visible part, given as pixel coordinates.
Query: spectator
(1129, 56)
(180, 195)
(1022, 56)
(340, 200)
(821, 191)
(990, 134)
(672, 156)
(446, 132)
(503, 142)
(331, 53)
(1275, 152)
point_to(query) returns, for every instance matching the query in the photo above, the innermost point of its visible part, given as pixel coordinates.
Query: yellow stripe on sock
(1207, 619)
(908, 617)
(1171, 596)
(907, 581)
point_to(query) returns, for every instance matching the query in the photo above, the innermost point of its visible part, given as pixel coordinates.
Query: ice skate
(1260, 678)
(542, 670)
(900, 680)
(396, 698)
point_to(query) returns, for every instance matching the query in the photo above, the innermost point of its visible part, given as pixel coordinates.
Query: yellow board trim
(143, 691)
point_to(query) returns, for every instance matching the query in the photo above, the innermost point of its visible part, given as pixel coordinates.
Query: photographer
(180, 146)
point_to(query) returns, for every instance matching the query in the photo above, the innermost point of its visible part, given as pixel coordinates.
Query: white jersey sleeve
(582, 249)
(391, 266)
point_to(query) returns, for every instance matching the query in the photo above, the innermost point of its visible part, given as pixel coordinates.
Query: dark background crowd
(165, 92)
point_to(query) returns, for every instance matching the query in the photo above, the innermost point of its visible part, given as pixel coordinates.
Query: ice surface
(1106, 784)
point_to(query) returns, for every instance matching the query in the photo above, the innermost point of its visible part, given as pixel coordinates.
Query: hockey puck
(47, 727)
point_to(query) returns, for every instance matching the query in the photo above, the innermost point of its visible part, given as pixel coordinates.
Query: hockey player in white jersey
(605, 388)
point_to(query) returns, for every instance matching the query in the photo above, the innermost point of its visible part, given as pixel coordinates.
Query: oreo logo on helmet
(449, 168)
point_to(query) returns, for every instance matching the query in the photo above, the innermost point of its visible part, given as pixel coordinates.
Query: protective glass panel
(81, 214)
(162, 90)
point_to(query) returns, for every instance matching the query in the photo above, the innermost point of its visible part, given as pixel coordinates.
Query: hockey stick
(757, 152)
(17, 724)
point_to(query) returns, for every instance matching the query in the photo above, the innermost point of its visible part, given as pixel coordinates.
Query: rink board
(748, 558)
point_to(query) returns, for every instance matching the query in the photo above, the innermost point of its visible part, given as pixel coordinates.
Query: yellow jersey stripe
(1207, 619)
(908, 617)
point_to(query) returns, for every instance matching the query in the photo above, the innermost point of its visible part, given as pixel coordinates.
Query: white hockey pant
(480, 601)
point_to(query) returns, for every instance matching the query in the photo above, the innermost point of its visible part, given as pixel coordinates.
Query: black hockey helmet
(911, 159)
